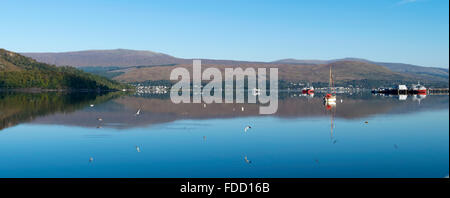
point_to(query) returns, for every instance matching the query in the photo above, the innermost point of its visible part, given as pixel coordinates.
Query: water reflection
(116, 135)
(115, 110)
(331, 108)
(20, 107)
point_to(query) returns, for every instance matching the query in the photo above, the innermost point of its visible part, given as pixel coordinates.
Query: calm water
(60, 135)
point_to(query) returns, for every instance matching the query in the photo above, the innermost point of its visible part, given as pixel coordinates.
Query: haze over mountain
(136, 66)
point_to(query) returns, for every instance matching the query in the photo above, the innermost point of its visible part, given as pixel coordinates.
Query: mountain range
(138, 66)
(424, 72)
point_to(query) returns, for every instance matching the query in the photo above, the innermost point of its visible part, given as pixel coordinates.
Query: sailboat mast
(331, 85)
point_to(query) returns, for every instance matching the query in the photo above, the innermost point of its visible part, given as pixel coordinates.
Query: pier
(431, 91)
(438, 91)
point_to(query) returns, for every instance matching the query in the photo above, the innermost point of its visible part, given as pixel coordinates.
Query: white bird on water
(247, 128)
(247, 161)
(138, 149)
(92, 105)
(91, 159)
(138, 112)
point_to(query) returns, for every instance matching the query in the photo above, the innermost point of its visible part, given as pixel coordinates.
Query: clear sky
(408, 31)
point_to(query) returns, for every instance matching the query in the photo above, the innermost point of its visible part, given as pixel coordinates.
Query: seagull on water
(247, 161)
(138, 149)
(247, 128)
(138, 112)
(91, 159)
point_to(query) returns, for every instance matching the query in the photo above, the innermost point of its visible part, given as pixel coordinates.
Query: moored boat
(330, 97)
(308, 90)
(419, 89)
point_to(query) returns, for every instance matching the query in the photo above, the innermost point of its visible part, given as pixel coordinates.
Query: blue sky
(408, 31)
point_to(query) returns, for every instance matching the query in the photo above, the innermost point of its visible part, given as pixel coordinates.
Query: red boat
(420, 89)
(308, 90)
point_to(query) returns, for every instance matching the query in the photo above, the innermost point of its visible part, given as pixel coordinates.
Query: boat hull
(329, 98)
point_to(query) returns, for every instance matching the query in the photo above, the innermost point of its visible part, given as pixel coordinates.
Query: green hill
(17, 71)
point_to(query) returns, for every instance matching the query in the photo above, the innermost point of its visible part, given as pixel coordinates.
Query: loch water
(100, 135)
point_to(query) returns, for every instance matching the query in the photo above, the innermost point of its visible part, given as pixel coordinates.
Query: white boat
(330, 97)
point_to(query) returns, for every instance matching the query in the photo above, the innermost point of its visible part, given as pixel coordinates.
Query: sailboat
(330, 97)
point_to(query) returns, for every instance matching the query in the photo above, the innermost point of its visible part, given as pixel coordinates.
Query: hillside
(344, 72)
(424, 73)
(118, 57)
(137, 66)
(17, 71)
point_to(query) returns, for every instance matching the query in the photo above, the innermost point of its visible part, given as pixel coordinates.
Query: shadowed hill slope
(17, 71)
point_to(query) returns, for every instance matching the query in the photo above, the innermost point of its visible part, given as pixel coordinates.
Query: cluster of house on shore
(141, 89)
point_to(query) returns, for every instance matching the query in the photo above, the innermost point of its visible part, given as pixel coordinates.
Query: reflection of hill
(119, 113)
(21, 107)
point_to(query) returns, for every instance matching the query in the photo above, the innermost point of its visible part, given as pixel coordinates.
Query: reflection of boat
(419, 97)
(331, 96)
(331, 107)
